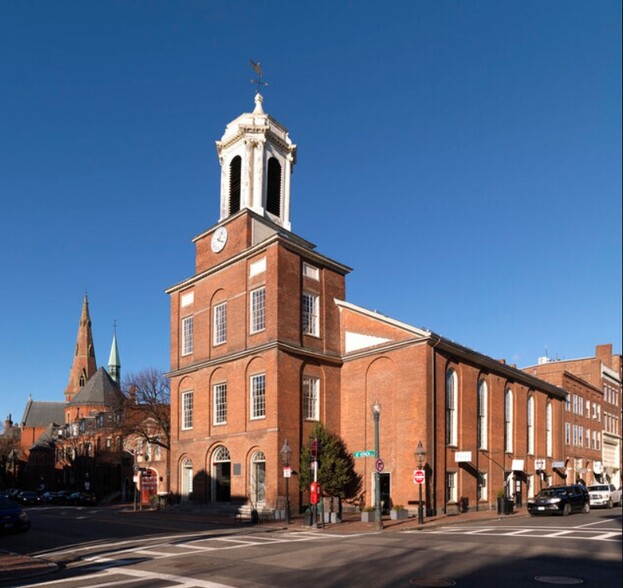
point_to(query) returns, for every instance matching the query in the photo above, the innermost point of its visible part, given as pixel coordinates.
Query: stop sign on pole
(419, 476)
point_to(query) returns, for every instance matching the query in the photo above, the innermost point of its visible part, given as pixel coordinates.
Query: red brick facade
(473, 449)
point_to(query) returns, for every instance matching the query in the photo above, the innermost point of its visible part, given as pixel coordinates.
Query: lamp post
(285, 461)
(378, 521)
(420, 454)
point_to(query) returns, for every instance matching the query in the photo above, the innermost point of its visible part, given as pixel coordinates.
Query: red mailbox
(314, 493)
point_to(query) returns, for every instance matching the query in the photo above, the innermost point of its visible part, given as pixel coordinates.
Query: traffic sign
(419, 476)
(380, 464)
(366, 453)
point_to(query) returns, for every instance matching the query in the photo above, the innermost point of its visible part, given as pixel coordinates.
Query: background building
(592, 440)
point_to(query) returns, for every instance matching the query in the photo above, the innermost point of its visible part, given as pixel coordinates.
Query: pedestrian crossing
(585, 534)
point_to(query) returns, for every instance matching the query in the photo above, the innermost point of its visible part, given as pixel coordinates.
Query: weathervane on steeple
(257, 67)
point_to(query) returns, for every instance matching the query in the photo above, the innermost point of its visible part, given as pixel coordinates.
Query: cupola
(256, 157)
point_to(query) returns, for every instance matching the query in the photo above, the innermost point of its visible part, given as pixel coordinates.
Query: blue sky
(464, 158)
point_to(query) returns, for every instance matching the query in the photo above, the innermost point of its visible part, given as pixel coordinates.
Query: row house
(592, 424)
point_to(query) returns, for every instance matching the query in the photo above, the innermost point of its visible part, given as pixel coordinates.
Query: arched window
(258, 477)
(530, 425)
(508, 421)
(221, 474)
(451, 408)
(482, 415)
(273, 187)
(548, 429)
(235, 170)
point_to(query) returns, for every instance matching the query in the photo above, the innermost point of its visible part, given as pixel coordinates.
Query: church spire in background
(83, 366)
(114, 363)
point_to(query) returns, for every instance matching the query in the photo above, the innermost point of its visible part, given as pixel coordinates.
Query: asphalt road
(107, 547)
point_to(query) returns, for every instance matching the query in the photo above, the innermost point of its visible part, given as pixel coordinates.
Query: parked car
(560, 500)
(81, 499)
(28, 497)
(49, 498)
(604, 495)
(12, 517)
(62, 496)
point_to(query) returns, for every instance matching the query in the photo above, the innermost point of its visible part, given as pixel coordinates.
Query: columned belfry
(256, 157)
(83, 366)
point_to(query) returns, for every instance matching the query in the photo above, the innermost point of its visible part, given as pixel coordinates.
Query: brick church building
(264, 345)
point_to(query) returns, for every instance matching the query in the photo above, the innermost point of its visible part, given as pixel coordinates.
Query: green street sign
(367, 453)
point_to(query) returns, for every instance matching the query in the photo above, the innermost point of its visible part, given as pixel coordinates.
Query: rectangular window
(598, 440)
(588, 437)
(581, 435)
(310, 314)
(187, 410)
(568, 402)
(567, 433)
(220, 404)
(187, 335)
(451, 487)
(258, 310)
(575, 435)
(220, 323)
(258, 396)
(311, 398)
(482, 486)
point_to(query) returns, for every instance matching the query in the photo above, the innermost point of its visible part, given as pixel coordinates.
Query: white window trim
(221, 387)
(452, 386)
(508, 421)
(188, 335)
(187, 411)
(311, 314)
(311, 398)
(483, 400)
(255, 312)
(530, 419)
(252, 394)
(216, 340)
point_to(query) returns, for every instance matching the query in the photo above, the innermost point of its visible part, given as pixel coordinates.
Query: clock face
(219, 238)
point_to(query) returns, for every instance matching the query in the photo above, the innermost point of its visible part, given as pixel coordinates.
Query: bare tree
(147, 416)
(148, 410)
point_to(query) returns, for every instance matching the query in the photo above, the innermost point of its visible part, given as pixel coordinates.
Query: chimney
(604, 354)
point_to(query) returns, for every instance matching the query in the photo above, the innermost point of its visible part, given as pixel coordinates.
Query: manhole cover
(558, 580)
(431, 582)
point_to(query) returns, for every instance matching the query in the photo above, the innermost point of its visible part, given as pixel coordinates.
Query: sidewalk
(14, 566)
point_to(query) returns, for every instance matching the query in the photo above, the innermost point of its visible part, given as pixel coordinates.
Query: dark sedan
(12, 517)
(561, 500)
(28, 498)
(81, 499)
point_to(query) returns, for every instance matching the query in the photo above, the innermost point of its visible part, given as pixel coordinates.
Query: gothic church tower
(83, 366)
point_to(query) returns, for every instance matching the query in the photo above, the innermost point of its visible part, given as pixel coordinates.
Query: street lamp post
(378, 521)
(420, 454)
(285, 460)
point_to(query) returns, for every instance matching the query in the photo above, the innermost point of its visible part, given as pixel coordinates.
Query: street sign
(287, 472)
(366, 453)
(419, 476)
(380, 464)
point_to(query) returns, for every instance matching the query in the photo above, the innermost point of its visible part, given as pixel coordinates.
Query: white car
(604, 495)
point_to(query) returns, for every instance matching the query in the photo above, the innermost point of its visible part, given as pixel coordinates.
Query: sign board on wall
(518, 465)
(463, 457)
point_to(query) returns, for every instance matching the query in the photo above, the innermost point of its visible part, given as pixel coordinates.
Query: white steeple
(256, 157)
